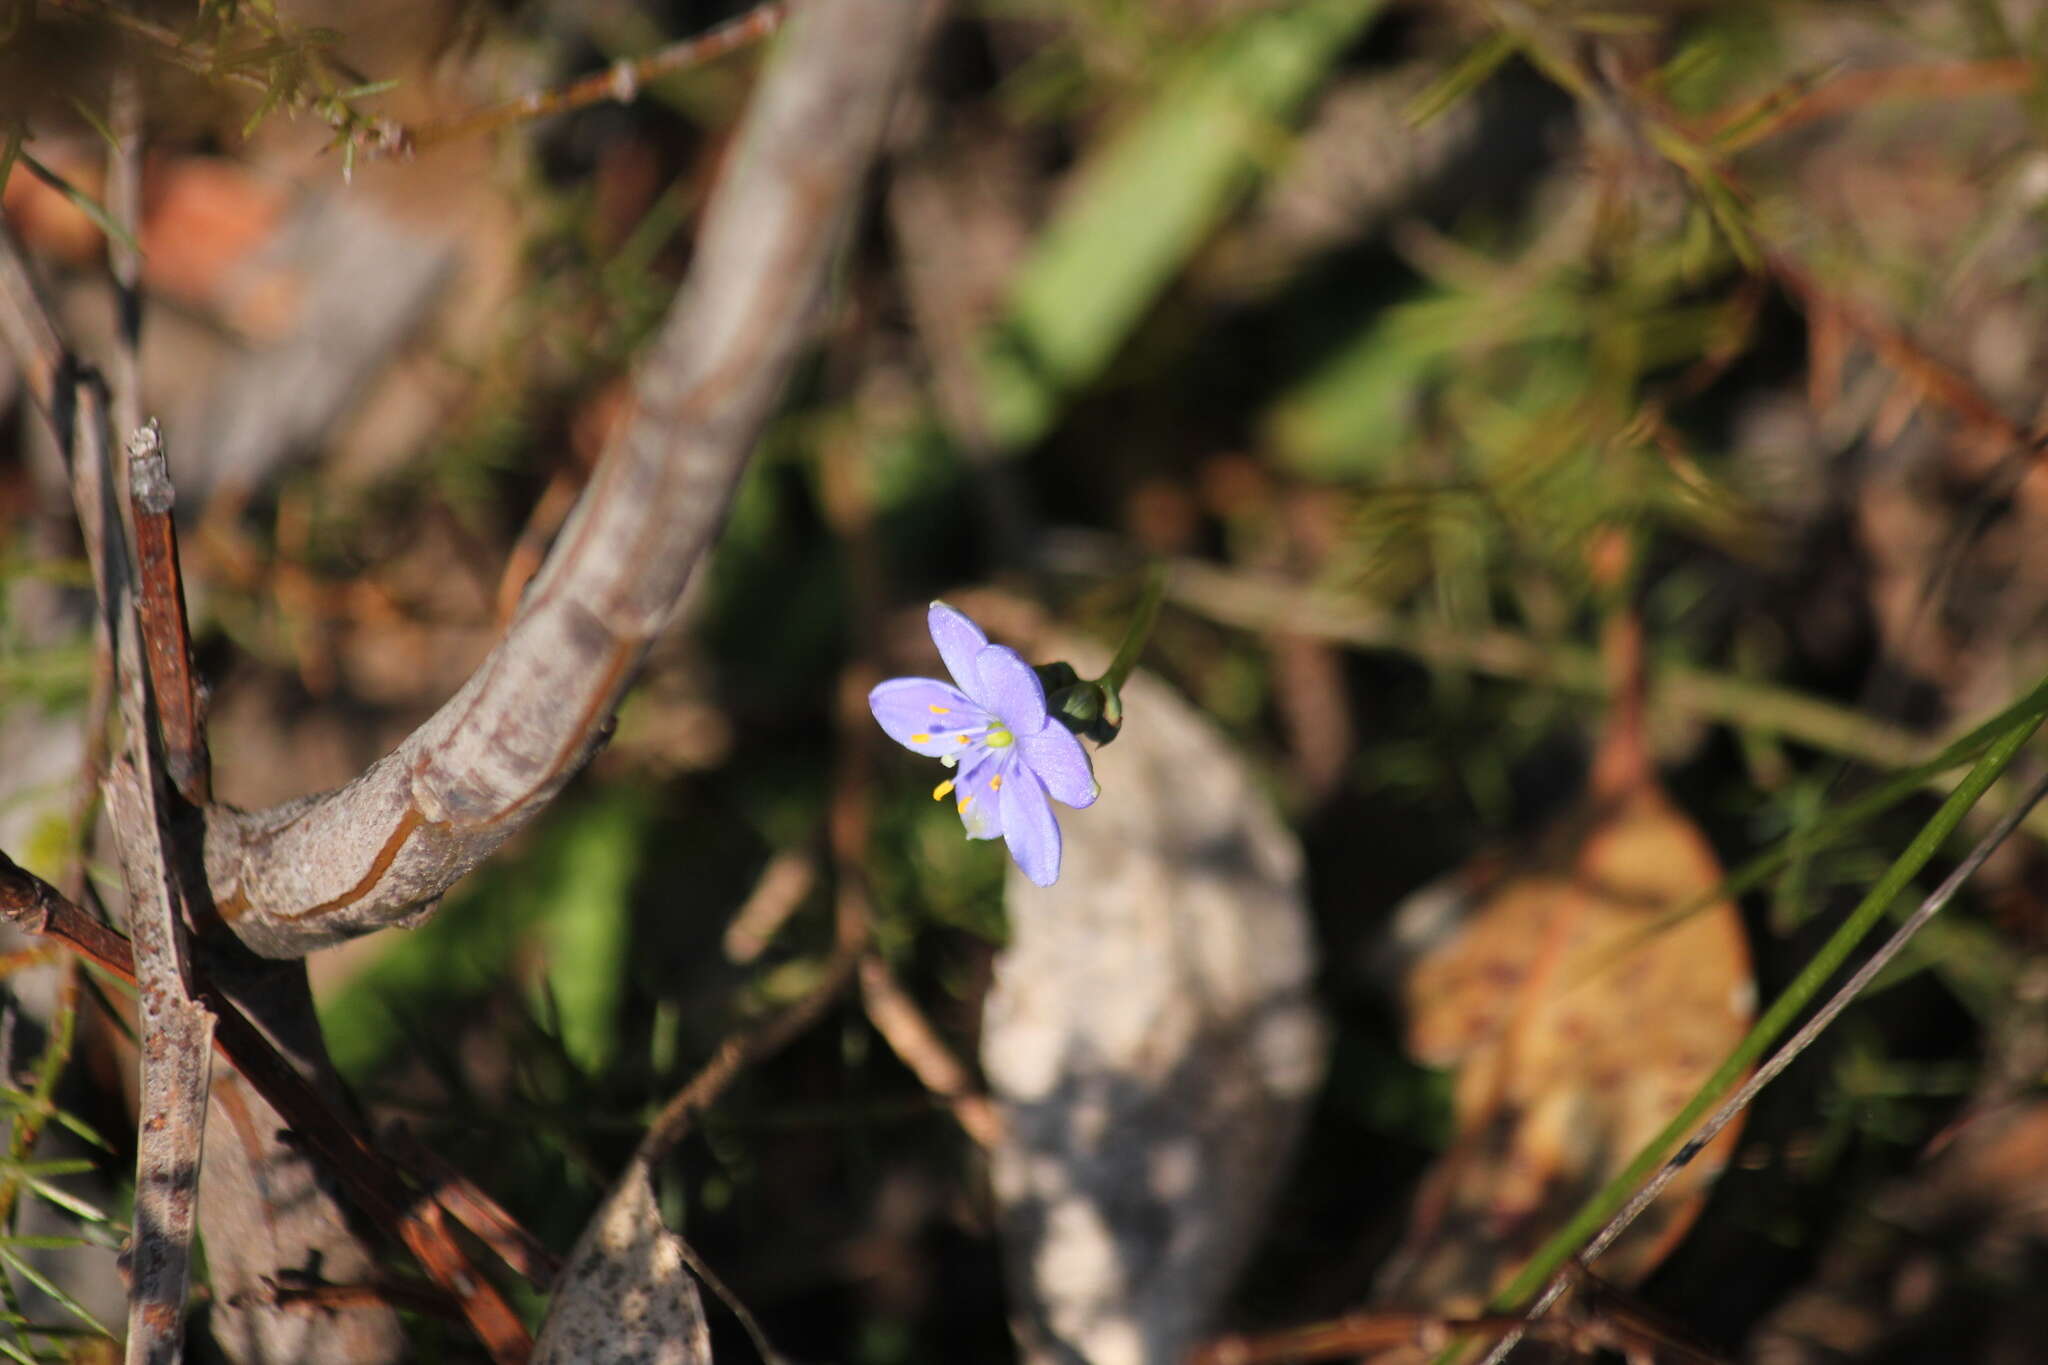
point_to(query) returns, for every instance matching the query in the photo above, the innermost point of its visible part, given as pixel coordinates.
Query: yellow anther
(963, 739)
(995, 784)
(965, 802)
(939, 792)
(920, 739)
(939, 710)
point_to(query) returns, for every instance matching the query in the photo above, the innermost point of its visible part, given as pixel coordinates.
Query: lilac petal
(1028, 825)
(1011, 690)
(926, 715)
(1061, 763)
(976, 795)
(960, 642)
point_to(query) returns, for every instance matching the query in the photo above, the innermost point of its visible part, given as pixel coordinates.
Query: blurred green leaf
(1145, 201)
(566, 899)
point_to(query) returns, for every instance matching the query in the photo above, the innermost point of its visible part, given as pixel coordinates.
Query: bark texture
(381, 850)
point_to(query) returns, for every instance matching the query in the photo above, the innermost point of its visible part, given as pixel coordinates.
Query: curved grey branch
(379, 851)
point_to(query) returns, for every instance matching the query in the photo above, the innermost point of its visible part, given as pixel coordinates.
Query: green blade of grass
(1594, 1213)
(1142, 205)
(17, 1263)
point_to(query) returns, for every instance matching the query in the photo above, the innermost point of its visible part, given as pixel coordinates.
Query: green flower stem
(1595, 1212)
(1139, 631)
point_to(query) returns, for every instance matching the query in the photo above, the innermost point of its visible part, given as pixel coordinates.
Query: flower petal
(1011, 690)
(926, 715)
(1028, 825)
(1061, 763)
(977, 795)
(960, 642)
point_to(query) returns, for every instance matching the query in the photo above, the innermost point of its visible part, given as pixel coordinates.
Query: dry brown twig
(76, 406)
(372, 1181)
(176, 1030)
(917, 1045)
(1783, 110)
(379, 851)
(621, 83)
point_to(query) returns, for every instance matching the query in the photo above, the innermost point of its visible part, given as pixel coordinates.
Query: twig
(372, 1183)
(918, 1045)
(35, 907)
(176, 1031)
(744, 1049)
(1789, 1051)
(92, 763)
(847, 832)
(124, 259)
(166, 637)
(27, 328)
(177, 1058)
(1781, 111)
(1347, 1338)
(1933, 378)
(782, 886)
(622, 82)
(525, 556)
(214, 63)
(482, 1215)
(381, 850)
(1601, 1322)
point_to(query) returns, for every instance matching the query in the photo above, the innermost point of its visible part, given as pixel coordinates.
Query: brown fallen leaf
(1578, 1026)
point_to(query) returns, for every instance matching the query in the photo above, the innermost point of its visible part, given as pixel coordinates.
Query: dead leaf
(626, 1295)
(1578, 1029)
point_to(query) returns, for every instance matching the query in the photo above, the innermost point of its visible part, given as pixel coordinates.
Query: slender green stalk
(1595, 1212)
(1139, 631)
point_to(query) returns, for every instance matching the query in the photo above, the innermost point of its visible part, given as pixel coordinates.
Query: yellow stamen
(920, 739)
(963, 739)
(939, 710)
(965, 801)
(939, 792)
(995, 784)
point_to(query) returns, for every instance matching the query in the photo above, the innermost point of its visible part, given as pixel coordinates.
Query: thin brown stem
(917, 1045)
(622, 82)
(166, 635)
(381, 850)
(376, 1186)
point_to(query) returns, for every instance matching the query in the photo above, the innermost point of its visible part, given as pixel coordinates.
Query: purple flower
(1008, 752)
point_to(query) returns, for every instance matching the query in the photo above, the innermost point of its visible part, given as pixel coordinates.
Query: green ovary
(999, 737)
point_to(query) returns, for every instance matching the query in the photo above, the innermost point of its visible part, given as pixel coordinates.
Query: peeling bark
(380, 851)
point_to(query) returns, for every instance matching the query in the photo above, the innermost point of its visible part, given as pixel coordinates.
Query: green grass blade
(1594, 1213)
(21, 1267)
(1144, 203)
